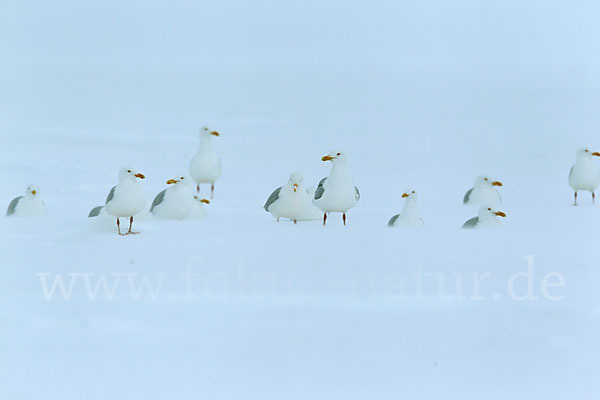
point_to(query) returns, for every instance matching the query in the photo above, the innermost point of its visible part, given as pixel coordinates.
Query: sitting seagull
(483, 192)
(337, 192)
(198, 211)
(584, 174)
(312, 212)
(409, 217)
(175, 202)
(486, 219)
(206, 165)
(127, 199)
(30, 205)
(288, 201)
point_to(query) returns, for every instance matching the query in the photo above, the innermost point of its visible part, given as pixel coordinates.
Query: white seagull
(337, 192)
(198, 210)
(30, 205)
(584, 174)
(206, 164)
(487, 218)
(127, 199)
(290, 200)
(409, 217)
(483, 192)
(175, 202)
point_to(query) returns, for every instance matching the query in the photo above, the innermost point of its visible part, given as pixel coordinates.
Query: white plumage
(206, 165)
(487, 218)
(30, 205)
(337, 192)
(175, 202)
(409, 217)
(127, 199)
(584, 173)
(289, 200)
(483, 192)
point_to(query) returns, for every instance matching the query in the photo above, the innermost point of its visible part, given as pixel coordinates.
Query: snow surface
(420, 94)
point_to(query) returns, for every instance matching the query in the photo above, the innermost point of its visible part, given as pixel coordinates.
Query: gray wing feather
(158, 199)
(272, 198)
(357, 193)
(320, 189)
(95, 212)
(467, 196)
(111, 195)
(571, 172)
(472, 223)
(13, 206)
(393, 220)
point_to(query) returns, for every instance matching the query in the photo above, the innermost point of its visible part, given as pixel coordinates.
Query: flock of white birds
(334, 194)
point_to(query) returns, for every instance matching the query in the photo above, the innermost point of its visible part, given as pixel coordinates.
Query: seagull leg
(344, 218)
(130, 232)
(575, 203)
(324, 219)
(295, 222)
(198, 188)
(119, 226)
(212, 191)
(593, 198)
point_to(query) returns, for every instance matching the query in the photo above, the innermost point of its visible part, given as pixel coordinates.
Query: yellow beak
(405, 195)
(214, 133)
(497, 183)
(34, 192)
(596, 154)
(500, 214)
(172, 181)
(295, 187)
(205, 201)
(141, 176)
(327, 158)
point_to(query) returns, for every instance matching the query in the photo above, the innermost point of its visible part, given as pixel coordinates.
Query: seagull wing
(13, 206)
(467, 196)
(272, 198)
(357, 193)
(158, 199)
(470, 224)
(95, 212)
(320, 189)
(393, 220)
(111, 194)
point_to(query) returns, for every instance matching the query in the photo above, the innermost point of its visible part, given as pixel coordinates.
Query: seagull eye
(586, 150)
(413, 191)
(129, 171)
(182, 177)
(339, 154)
(489, 209)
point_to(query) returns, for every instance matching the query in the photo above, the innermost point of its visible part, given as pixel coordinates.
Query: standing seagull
(175, 202)
(483, 192)
(584, 174)
(127, 199)
(30, 205)
(290, 200)
(409, 217)
(487, 218)
(206, 165)
(337, 192)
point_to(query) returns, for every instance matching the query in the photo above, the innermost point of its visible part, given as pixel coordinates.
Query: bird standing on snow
(30, 205)
(584, 174)
(206, 165)
(175, 202)
(487, 218)
(127, 199)
(483, 192)
(409, 217)
(337, 192)
(290, 200)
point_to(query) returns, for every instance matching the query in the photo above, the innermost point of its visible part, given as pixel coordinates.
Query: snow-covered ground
(236, 306)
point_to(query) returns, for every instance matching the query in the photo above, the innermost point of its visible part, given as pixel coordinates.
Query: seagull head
(206, 132)
(32, 191)
(177, 181)
(295, 181)
(410, 194)
(489, 212)
(336, 157)
(201, 200)
(484, 180)
(585, 153)
(128, 173)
